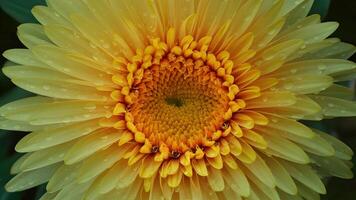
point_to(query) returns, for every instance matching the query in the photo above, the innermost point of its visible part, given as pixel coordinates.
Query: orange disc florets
(178, 97)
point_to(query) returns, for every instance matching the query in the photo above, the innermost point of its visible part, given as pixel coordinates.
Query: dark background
(342, 11)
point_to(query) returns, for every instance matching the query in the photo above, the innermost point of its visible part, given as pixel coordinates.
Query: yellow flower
(178, 99)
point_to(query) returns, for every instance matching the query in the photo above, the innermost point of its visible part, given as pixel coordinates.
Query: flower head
(178, 100)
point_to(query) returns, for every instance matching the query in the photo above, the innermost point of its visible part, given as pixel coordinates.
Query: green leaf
(20, 9)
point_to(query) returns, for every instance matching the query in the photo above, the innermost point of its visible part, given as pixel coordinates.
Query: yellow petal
(335, 107)
(98, 163)
(149, 167)
(304, 84)
(261, 171)
(215, 179)
(285, 149)
(236, 179)
(32, 35)
(282, 178)
(288, 125)
(342, 151)
(272, 99)
(45, 157)
(175, 179)
(90, 144)
(29, 179)
(305, 174)
(255, 139)
(216, 162)
(53, 136)
(248, 155)
(63, 176)
(200, 167)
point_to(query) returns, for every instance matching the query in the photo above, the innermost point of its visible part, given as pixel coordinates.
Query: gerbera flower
(178, 99)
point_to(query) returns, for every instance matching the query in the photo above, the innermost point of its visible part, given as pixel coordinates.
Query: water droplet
(66, 69)
(288, 86)
(90, 107)
(92, 45)
(95, 58)
(293, 71)
(104, 137)
(46, 87)
(106, 45)
(321, 67)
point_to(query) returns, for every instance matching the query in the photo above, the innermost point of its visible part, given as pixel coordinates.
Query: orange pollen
(177, 96)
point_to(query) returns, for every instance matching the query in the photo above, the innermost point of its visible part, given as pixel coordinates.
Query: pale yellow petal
(255, 139)
(228, 193)
(282, 178)
(272, 99)
(338, 91)
(285, 149)
(307, 193)
(312, 33)
(261, 190)
(338, 50)
(13, 125)
(304, 84)
(288, 125)
(53, 136)
(45, 157)
(215, 179)
(63, 176)
(335, 107)
(314, 67)
(16, 166)
(73, 191)
(333, 166)
(236, 179)
(342, 151)
(29, 179)
(61, 60)
(305, 174)
(53, 111)
(199, 166)
(149, 167)
(195, 188)
(299, 12)
(261, 171)
(90, 144)
(244, 17)
(32, 35)
(23, 57)
(304, 108)
(127, 175)
(184, 189)
(46, 15)
(99, 162)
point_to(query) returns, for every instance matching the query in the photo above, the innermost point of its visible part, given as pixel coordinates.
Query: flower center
(179, 102)
(178, 96)
(174, 101)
